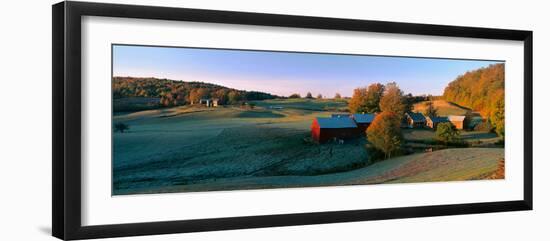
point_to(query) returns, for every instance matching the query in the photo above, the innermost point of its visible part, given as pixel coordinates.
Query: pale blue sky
(284, 73)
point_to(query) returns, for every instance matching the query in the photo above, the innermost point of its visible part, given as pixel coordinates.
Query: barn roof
(363, 118)
(337, 122)
(457, 117)
(437, 119)
(417, 117)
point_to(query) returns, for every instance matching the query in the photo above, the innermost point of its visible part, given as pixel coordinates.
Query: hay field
(444, 108)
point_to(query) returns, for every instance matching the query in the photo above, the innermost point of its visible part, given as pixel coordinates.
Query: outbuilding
(415, 120)
(432, 122)
(457, 120)
(209, 102)
(324, 129)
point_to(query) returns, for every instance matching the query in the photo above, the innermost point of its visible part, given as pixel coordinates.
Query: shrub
(374, 154)
(484, 126)
(121, 127)
(447, 133)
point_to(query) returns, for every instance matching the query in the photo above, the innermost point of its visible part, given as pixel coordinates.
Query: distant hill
(444, 108)
(174, 92)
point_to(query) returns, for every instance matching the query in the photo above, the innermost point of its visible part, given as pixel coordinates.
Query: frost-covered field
(226, 148)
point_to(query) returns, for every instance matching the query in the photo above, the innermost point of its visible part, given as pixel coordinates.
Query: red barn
(325, 129)
(363, 121)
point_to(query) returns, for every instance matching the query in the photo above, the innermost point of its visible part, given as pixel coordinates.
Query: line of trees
(481, 90)
(173, 93)
(371, 99)
(366, 99)
(337, 96)
(384, 133)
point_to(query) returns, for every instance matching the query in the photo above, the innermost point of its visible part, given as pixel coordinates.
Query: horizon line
(324, 97)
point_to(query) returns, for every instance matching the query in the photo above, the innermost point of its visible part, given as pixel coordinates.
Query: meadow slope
(444, 108)
(191, 148)
(444, 165)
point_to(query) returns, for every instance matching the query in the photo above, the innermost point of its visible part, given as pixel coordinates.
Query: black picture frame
(66, 128)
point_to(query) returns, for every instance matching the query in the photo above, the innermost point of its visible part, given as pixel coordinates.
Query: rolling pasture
(193, 148)
(444, 165)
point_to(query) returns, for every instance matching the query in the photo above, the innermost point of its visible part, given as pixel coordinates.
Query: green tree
(385, 133)
(337, 96)
(309, 96)
(393, 100)
(319, 96)
(295, 96)
(121, 127)
(447, 132)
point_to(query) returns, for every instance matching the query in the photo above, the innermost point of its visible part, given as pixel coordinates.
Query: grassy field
(445, 165)
(191, 148)
(474, 137)
(304, 104)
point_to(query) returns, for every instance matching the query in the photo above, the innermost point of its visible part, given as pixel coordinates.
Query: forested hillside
(481, 90)
(172, 92)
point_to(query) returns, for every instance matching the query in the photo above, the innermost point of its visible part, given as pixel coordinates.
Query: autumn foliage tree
(337, 96)
(358, 100)
(481, 90)
(366, 99)
(497, 113)
(234, 97)
(173, 92)
(393, 100)
(374, 95)
(197, 94)
(385, 133)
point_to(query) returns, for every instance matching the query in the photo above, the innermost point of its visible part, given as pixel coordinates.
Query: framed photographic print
(170, 120)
